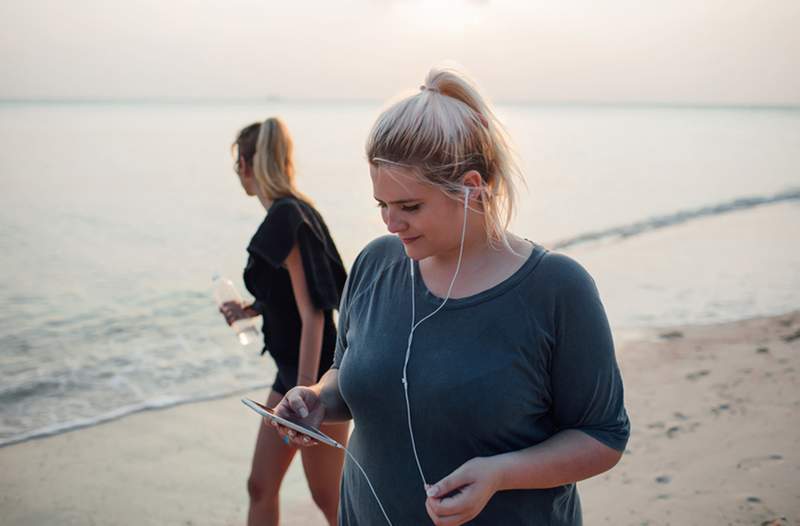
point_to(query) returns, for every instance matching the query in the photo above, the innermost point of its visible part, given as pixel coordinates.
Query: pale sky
(668, 51)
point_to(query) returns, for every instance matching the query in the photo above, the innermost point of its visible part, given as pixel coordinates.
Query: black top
(291, 221)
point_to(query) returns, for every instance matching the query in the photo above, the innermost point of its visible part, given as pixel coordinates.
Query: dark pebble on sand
(698, 374)
(720, 408)
(792, 337)
(672, 431)
(753, 499)
(762, 350)
(663, 479)
(671, 335)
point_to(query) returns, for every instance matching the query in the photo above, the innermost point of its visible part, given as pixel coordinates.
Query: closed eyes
(404, 207)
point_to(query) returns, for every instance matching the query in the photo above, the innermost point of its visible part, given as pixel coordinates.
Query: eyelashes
(404, 208)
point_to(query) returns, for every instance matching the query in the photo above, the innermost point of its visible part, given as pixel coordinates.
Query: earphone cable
(415, 325)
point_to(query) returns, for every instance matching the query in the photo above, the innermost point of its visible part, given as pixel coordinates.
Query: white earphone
(414, 326)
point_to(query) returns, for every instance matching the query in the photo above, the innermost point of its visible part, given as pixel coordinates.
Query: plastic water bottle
(247, 328)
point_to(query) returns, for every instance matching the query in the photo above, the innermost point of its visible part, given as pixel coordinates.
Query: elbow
(600, 457)
(605, 459)
(612, 458)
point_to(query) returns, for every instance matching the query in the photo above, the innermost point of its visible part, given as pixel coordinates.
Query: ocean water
(114, 217)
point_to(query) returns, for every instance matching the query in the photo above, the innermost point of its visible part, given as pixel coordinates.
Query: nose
(393, 223)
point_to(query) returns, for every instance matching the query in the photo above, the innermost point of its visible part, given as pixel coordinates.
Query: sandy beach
(716, 440)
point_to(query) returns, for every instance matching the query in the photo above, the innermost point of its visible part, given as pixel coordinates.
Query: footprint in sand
(759, 462)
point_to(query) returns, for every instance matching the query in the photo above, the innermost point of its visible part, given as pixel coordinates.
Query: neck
(482, 266)
(476, 248)
(266, 202)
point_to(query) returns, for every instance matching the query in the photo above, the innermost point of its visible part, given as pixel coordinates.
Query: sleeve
(585, 380)
(258, 306)
(288, 224)
(344, 321)
(351, 291)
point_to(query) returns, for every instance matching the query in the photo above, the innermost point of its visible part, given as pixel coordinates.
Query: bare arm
(327, 390)
(312, 320)
(566, 457)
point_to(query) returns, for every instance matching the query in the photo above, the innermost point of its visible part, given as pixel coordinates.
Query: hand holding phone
(307, 430)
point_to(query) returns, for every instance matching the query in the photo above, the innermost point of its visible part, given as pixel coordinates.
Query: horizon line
(172, 100)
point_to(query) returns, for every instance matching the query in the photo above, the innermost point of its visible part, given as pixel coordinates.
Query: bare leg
(323, 467)
(271, 459)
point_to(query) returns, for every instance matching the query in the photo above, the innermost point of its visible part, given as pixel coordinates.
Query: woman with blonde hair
(296, 276)
(478, 367)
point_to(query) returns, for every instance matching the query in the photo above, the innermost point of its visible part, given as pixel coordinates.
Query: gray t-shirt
(499, 371)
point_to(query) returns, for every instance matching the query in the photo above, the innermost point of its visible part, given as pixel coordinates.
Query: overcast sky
(679, 51)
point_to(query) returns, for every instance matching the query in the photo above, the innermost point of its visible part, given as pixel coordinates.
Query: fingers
(232, 311)
(296, 402)
(455, 503)
(451, 482)
(446, 520)
(292, 437)
(452, 500)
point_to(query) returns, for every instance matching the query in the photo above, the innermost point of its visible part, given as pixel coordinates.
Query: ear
(473, 181)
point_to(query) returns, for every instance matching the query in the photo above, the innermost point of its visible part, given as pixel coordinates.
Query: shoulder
(377, 257)
(386, 247)
(557, 278)
(276, 234)
(564, 270)
(288, 209)
(567, 283)
(379, 254)
(284, 215)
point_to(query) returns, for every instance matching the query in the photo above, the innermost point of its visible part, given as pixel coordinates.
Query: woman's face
(426, 220)
(246, 177)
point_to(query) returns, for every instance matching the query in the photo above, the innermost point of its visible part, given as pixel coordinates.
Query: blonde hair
(444, 131)
(268, 148)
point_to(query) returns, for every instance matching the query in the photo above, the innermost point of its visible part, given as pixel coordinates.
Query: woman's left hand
(462, 495)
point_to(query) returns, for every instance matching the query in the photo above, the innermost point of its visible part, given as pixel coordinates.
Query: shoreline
(714, 411)
(622, 336)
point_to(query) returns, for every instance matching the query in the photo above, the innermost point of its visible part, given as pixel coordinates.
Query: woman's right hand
(302, 405)
(234, 311)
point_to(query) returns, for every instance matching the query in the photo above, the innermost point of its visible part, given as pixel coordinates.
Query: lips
(409, 240)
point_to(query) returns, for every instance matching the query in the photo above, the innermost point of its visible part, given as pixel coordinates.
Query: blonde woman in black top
(296, 276)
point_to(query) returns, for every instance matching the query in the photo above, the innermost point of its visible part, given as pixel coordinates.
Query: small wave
(683, 216)
(14, 393)
(152, 404)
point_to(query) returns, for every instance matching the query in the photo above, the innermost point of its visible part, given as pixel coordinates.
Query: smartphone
(309, 431)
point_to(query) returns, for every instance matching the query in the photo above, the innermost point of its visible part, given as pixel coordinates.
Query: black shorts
(286, 378)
